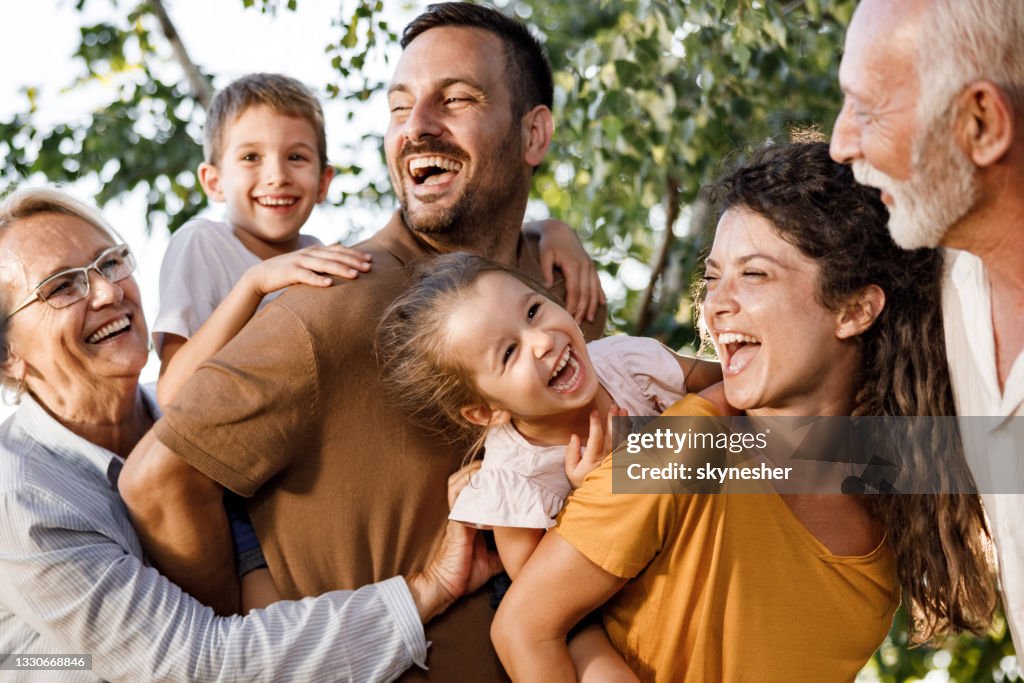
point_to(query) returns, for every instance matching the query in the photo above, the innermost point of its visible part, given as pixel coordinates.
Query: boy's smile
(270, 178)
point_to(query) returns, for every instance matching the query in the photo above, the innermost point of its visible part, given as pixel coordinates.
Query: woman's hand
(461, 564)
(560, 247)
(599, 444)
(309, 266)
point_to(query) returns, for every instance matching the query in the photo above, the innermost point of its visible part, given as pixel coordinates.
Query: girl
(477, 349)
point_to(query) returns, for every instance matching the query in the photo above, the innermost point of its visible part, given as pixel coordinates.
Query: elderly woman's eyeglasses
(72, 285)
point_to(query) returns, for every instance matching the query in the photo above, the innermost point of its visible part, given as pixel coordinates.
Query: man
(934, 117)
(344, 488)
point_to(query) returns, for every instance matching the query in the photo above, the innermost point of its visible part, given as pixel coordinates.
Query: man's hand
(461, 565)
(560, 247)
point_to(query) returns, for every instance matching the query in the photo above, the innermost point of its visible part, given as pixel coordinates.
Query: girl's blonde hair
(414, 349)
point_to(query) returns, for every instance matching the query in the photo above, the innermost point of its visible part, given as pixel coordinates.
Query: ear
(860, 312)
(209, 178)
(985, 123)
(538, 127)
(325, 182)
(13, 366)
(485, 416)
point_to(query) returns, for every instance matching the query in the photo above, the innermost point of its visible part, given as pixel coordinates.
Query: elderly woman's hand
(461, 564)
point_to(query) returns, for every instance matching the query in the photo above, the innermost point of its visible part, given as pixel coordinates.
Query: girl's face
(782, 351)
(525, 352)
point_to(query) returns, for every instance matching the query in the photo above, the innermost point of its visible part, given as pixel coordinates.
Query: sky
(40, 37)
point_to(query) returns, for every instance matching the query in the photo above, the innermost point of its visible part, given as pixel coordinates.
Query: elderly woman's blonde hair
(26, 203)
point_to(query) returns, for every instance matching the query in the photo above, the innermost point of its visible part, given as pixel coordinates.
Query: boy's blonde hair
(282, 94)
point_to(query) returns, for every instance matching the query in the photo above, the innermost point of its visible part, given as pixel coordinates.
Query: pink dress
(523, 485)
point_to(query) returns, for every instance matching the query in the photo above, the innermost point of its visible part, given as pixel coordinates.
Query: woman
(814, 311)
(72, 343)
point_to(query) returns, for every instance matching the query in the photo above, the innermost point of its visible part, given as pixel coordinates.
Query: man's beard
(941, 190)
(474, 221)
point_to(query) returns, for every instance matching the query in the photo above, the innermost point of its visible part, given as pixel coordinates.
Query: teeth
(573, 376)
(420, 164)
(275, 201)
(561, 364)
(734, 338)
(108, 329)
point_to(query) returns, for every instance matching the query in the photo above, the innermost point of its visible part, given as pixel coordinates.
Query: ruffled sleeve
(641, 374)
(519, 484)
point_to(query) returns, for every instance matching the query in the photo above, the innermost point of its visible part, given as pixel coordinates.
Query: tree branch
(200, 87)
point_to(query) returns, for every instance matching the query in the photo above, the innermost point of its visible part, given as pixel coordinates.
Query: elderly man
(346, 490)
(934, 117)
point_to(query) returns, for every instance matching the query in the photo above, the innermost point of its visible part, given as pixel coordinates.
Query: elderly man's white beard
(941, 190)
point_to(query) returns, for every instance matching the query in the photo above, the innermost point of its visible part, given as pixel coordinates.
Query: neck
(262, 248)
(556, 430)
(113, 415)
(492, 230)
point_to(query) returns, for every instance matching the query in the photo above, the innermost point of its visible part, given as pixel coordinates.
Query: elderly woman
(814, 311)
(73, 341)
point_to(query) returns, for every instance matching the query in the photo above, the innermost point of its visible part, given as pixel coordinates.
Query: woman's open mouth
(736, 351)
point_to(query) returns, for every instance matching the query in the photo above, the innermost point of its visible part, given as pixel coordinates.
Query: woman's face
(782, 351)
(526, 353)
(71, 349)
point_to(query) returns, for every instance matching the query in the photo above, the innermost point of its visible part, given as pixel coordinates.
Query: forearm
(179, 515)
(226, 321)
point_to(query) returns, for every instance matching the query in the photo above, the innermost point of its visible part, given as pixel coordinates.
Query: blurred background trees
(653, 98)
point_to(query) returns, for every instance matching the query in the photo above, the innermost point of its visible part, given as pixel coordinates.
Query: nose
(720, 299)
(275, 171)
(845, 144)
(540, 342)
(423, 122)
(102, 292)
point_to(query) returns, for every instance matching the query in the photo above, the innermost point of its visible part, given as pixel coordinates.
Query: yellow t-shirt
(728, 587)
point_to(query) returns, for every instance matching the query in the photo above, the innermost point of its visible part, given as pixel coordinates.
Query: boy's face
(269, 176)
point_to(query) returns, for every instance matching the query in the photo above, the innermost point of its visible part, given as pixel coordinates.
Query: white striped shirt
(73, 581)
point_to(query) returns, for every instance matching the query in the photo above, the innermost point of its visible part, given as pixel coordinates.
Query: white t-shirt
(993, 431)
(524, 485)
(203, 262)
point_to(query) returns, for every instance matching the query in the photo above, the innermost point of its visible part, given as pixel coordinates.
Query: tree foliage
(652, 98)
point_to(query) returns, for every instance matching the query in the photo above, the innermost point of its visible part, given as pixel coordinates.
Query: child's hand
(460, 479)
(560, 247)
(599, 444)
(309, 266)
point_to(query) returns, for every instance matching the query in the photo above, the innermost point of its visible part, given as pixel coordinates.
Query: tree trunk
(200, 87)
(646, 314)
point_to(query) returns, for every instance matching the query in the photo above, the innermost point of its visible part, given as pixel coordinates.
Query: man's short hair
(963, 41)
(282, 94)
(526, 64)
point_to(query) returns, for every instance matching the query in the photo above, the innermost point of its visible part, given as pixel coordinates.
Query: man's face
(454, 148)
(893, 142)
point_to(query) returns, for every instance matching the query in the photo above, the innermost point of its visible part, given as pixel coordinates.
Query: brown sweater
(345, 491)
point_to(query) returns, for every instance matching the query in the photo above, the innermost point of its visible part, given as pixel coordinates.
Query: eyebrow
(743, 260)
(440, 85)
